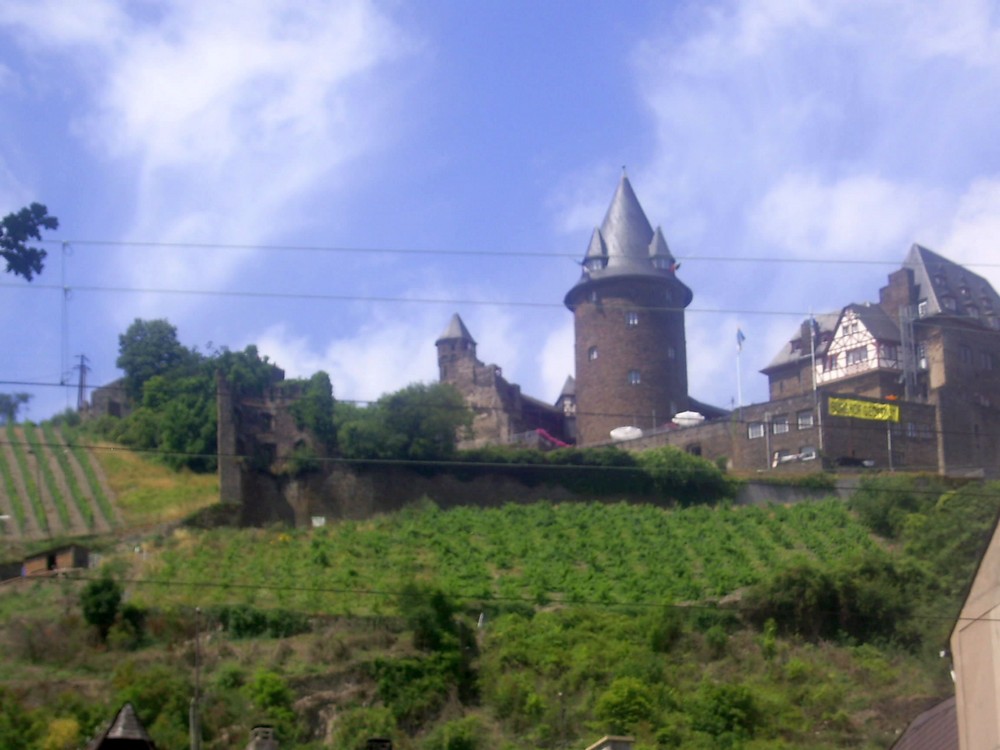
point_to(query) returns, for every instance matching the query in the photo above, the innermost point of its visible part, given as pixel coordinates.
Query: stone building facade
(925, 357)
(628, 322)
(501, 413)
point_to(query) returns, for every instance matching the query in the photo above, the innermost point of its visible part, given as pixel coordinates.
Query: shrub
(356, 726)
(460, 734)
(725, 711)
(624, 705)
(99, 601)
(682, 477)
(884, 503)
(866, 598)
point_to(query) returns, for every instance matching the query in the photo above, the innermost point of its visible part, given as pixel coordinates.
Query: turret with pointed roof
(455, 346)
(628, 308)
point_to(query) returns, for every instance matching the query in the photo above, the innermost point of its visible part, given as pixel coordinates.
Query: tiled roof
(876, 321)
(934, 729)
(795, 349)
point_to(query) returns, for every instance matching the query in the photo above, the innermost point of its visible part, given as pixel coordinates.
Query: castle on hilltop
(910, 382)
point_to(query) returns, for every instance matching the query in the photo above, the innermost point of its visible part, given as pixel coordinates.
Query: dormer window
(662, 263)
(631, 318)
(595, 264)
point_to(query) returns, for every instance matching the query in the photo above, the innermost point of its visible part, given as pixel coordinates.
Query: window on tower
(634, 378)
(631, 318)
(592, 353)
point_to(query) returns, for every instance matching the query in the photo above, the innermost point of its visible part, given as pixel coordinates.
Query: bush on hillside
(682, 477)
(883, 503)
(868, 598)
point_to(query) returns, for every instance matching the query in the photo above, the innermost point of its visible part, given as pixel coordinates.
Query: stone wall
(628, 326)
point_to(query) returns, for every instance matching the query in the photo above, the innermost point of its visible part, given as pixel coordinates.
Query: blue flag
(740, 338)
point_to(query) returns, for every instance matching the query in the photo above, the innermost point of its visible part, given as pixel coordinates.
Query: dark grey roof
(456, 330)
(625, 229)
(939, 280)
(125, 731)
(658, 246)
(876, 321)
(795, 349)
(626, 245)
(569, 387)
(934, 729)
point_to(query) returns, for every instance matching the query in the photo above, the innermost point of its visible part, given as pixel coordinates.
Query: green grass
(148, 492)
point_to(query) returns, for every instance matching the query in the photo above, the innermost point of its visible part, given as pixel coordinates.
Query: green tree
(19, 228)
(10, 405)
(149, 348)
(419, 422)
(100, 601)
(624, 705)
(313, 410)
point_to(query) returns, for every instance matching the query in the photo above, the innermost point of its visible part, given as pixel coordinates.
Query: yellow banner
(848, 407)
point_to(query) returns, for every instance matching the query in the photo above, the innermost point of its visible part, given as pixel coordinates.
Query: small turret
(454, 345)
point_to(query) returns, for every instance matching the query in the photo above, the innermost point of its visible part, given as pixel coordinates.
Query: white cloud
(226, 120)
(974, 235)
(859, 217)
(557, 359)
(382, 356)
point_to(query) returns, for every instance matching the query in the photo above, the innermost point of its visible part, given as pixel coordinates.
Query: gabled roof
(939, 279)
(456, 330)
(796, 349)
(875, 320)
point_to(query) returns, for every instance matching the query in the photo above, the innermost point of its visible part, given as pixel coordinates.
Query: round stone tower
(628, 314)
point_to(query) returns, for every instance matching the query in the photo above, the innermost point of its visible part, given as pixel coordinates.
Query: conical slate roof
(456, 330)
(658, 247)
(625, 245)
(625, 229)
(569, 387)
(125, 732)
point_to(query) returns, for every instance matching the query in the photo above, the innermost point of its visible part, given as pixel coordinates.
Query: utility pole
(81, 389)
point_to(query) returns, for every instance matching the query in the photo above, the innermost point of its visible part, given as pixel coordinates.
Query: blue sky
(772, 141)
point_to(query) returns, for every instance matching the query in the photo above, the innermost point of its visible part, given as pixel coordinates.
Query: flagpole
(739, 375)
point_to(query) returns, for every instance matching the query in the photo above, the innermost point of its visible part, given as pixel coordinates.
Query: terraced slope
(51, 488)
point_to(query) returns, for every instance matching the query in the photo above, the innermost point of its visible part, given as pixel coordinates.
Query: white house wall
(851, 334)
